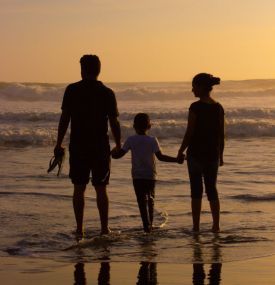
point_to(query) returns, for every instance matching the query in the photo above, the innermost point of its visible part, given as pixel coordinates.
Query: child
(143, 149)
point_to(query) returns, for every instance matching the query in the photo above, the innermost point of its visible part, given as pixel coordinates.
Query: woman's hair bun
(206, 80)
(215, 80)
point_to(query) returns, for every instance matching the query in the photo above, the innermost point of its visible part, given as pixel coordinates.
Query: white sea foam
(249, 109)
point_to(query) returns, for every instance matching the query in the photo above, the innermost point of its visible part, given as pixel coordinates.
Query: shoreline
(23, 271)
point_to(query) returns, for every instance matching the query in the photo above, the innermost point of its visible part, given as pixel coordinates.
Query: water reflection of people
(79, 274)
(147, 273)
(214, 274)
(148, 270)
(103, 275)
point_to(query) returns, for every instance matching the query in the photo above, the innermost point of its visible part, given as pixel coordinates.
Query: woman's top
(208, 134)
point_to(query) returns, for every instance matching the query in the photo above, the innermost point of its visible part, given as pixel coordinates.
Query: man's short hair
(90, 64)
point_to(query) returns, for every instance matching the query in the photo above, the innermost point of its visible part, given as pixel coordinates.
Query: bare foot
(79, 235)
(215, 229)
(196, 230)
(148, 230)
(105, 231)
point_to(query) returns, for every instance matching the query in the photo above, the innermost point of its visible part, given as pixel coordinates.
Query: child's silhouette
(144, 148)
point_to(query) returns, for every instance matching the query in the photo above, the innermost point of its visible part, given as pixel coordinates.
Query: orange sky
(145, 40)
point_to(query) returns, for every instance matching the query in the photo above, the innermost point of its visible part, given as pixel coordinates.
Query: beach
(25, 271)
(37, 221)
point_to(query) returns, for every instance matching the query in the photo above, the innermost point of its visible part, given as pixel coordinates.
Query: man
(89, 105)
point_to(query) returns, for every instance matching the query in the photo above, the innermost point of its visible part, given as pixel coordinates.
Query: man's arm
(118, 153)
(62, 129)
(115, 128)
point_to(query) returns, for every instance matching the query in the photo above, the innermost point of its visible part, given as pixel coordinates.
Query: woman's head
(203, 83)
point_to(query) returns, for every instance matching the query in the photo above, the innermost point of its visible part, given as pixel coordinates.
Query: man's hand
(117, 152)
(59, 150)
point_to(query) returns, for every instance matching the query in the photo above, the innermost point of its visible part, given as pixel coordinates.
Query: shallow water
(36, 210)
(37, 217)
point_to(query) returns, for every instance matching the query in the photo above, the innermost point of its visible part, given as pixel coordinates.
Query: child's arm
(167, 158)
(117, 153)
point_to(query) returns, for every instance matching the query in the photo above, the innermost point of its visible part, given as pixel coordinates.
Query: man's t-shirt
(143, 148)
(90, 104)
(208, 132)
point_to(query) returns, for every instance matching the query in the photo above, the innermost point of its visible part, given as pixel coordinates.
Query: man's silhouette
(88, 105)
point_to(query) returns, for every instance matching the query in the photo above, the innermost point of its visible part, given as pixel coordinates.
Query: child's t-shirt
(143, 149)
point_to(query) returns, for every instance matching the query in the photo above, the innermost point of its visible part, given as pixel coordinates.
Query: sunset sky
(144, 40)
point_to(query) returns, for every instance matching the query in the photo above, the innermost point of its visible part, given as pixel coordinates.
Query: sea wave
(45, 134)
(31, 92)
(136, 91)
(245, 114)
(255, 198)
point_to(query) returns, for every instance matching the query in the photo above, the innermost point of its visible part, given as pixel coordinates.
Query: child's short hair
(142, 122)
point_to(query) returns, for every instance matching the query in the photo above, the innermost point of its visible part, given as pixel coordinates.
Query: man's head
(90, 66)
(142, 123)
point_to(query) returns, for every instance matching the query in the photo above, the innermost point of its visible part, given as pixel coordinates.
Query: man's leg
(78, 203)
(103, 207)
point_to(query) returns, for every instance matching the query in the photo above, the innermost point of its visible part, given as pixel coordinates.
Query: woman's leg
(196, 184)
(215, 210)
(196, 214)
(210, 180)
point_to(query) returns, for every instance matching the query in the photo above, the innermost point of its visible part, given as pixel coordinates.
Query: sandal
(57, 160)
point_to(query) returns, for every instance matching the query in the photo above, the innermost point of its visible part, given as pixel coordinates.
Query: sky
(137, 41)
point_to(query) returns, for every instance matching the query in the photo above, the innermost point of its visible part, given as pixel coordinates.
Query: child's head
(142, 122)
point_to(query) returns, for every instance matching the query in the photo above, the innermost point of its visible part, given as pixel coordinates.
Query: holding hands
(180, 158)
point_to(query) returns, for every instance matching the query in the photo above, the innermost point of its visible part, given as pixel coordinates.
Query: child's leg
(141, 195)
(151, 200)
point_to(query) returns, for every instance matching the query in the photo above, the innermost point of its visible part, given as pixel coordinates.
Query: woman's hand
(221, 161)
(180, 157)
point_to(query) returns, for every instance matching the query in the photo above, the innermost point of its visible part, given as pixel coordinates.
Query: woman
(204, 140)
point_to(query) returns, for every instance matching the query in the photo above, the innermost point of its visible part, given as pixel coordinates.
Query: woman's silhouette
(204, 140)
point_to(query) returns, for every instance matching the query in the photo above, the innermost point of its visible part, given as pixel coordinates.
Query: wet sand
(23, 271)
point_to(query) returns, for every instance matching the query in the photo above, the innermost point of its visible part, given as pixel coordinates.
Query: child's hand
(114, 152)
(180, 158)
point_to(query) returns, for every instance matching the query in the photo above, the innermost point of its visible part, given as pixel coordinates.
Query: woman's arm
(189, 132)
(222, 138)
(167, 158)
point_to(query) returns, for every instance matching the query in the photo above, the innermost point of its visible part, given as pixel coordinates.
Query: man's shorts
(86, 167)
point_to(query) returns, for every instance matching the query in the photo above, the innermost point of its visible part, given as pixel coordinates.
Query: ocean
(36, 212)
